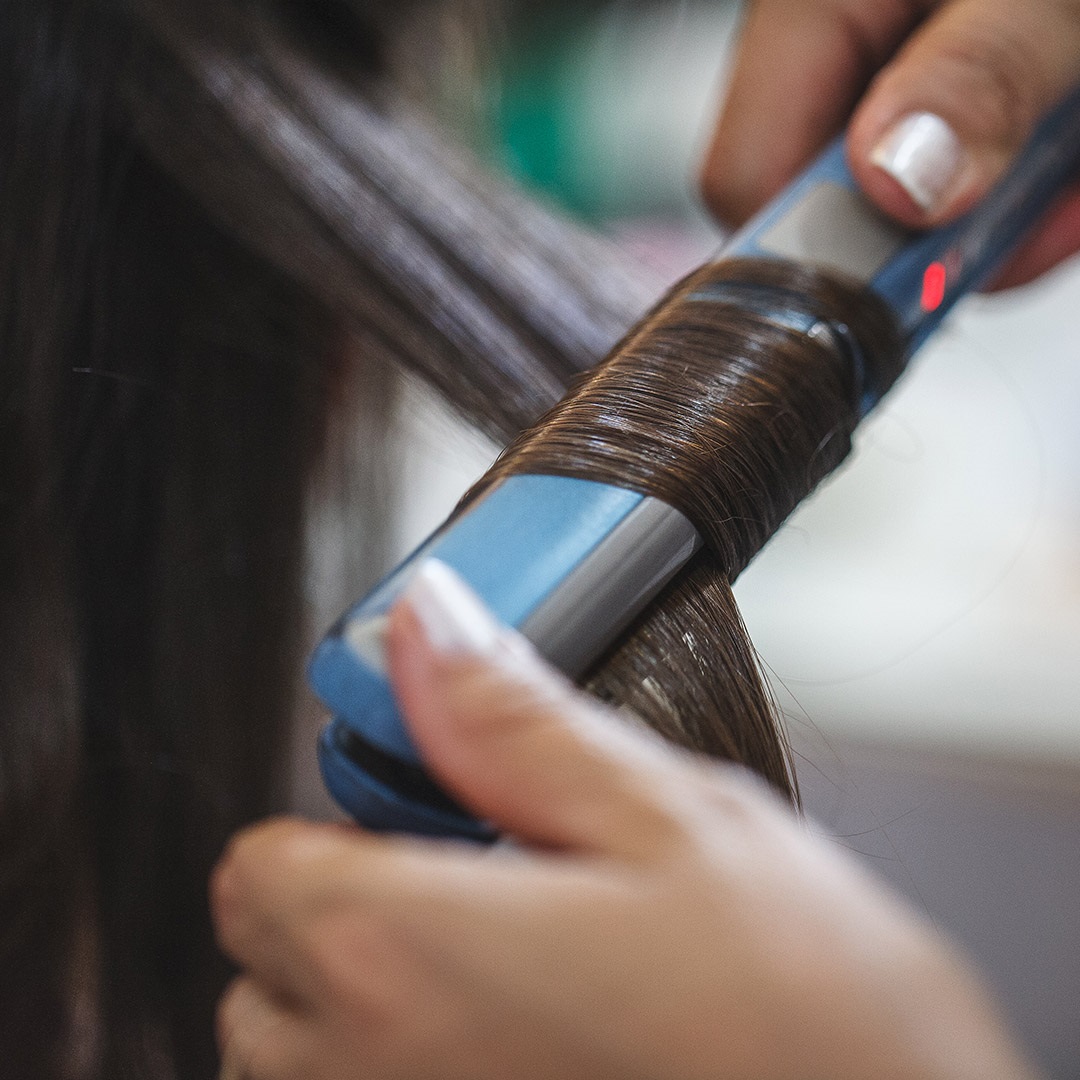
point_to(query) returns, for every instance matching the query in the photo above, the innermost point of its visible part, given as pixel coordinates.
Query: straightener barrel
(569, 563)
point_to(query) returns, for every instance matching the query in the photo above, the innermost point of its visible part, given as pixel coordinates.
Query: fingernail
(452, 616)
(367, 638)
(924, 156)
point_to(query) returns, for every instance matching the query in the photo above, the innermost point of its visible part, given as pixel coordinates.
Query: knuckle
(998, 73)
(223, 889)
(232, 887)
(255, 869)
(288, 847)
(508, 699)
(363, 972)
(244, 854)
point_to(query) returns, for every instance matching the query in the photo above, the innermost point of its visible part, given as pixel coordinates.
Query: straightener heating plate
(833, 227)
(568, 562)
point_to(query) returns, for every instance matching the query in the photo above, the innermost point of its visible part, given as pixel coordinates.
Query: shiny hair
(225, 227)
(721, 404)
(222, 229)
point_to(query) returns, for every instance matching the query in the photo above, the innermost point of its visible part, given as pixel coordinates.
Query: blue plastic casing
(513, 547)
(835, 226)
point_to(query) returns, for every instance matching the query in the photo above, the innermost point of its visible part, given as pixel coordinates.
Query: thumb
(943, 120)
(515, 742)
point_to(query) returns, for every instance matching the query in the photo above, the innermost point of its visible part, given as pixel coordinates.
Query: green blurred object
(532, 119)
(604, 106)
(534, 113)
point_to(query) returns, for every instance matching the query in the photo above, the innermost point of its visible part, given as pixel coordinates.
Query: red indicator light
(933, 286)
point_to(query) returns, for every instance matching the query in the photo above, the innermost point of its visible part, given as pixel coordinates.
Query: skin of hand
(986, 69)
(660, 917)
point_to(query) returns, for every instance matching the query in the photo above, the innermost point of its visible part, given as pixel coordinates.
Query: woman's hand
(666, 918)
(941, 95)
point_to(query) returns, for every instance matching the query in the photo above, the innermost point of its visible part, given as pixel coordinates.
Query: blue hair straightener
(579, 560)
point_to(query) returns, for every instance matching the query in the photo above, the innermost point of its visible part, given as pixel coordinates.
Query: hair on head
(214, 240)
(224, 225)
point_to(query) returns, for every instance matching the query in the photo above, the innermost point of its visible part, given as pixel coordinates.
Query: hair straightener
(571, 562)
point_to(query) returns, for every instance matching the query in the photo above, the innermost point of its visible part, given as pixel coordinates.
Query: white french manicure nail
(451, 614)
(924, 156)
(367, 638)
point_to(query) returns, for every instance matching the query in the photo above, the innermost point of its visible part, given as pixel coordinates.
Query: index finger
(308, 909)
(800, 68)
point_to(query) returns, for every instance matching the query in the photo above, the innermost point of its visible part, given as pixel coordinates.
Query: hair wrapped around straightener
(730, 402)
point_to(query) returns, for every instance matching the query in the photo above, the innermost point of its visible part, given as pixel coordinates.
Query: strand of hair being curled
(730, 402)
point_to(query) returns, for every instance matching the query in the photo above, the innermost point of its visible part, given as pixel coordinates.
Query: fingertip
(452, 664)
(942, 121)
(422, 676)
(730, 189)
(422, 669)
(750, 160)
(406, 655)
(914, 166)
(276, 849)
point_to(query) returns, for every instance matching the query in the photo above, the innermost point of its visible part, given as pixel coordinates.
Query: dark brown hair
(730, 402)
(216, 232)
(222, 226)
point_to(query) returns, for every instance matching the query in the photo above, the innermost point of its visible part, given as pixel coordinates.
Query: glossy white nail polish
(452, 615)
(367, 638)
(924, 156)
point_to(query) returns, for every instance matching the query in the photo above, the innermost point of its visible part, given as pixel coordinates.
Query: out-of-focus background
(920, 615)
